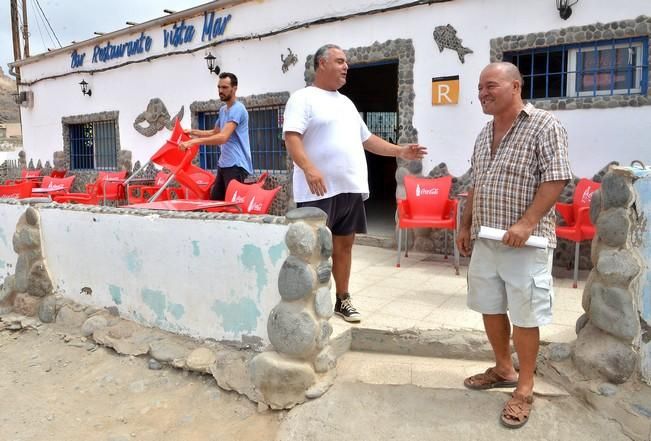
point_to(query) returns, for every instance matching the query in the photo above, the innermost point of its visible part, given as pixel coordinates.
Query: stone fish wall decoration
(446, 38)
(289, 60)
(157, 117)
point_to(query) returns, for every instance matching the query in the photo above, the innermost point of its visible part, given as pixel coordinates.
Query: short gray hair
(322, 53)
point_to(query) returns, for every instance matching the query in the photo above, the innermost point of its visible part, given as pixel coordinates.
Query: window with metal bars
(265, 136)
(93, 145)
(613, 67)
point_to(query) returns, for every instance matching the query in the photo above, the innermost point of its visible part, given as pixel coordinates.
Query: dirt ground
(59, 387)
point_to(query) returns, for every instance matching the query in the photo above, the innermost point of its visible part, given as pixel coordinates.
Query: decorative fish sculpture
(446, 38)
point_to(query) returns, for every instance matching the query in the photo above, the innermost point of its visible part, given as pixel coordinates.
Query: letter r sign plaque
(445, 90)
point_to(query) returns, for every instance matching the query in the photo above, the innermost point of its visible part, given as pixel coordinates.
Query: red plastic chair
(17, 191)
(27, 175)
(99, 191)
(427, 206)
(576, 216)
(237, 191)
(195, 180)
(259, 200)
(49, 183)
(24, 173)
(58, 173)
(142, 193)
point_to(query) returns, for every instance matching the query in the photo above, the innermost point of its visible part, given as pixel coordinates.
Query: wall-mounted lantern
(85, 89)
(210, 62)
(565, 8)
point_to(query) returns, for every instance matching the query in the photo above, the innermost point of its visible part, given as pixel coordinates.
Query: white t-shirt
(333, 133)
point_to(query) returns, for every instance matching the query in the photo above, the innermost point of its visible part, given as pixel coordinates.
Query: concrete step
(426, 372)
(384, 412)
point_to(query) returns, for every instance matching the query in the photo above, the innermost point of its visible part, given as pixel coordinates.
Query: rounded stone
(616, 191)
(323, 303)
(31, 216)
(200, 360)
(307, 214)
(47, 310)
(581, 322)
(325, 331)
(415, 167)
(559, 351)
(325, 241)
(296, 279)
(612, 310)
(323, 271)
(598, 355)
(325, 361)
(292, 330)
(92, 324)
(301, 240)
(595, 206)
(619, 267)
(607, 389)
(613, 227)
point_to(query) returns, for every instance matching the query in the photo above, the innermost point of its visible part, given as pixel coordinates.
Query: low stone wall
(206, 275)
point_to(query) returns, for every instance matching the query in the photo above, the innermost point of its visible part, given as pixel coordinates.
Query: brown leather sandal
(516, 411)
(488, 380)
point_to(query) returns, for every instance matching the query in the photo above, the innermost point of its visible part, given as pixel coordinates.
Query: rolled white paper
(497, 234)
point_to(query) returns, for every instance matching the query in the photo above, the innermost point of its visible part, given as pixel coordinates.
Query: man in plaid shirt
(519, 168)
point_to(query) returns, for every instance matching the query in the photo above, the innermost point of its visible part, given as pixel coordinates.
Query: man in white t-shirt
(326, 138)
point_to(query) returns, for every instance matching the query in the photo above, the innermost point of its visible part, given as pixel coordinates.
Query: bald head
(500, 87)
(508, 71)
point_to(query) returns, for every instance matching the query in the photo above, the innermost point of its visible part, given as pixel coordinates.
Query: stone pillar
(609, 333)
(29, 291)
(302, 364)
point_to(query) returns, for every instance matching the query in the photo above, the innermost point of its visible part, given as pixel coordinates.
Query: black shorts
(224, 176)
(346, 213)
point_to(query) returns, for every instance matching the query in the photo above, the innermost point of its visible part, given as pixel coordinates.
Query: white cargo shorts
(503, 279)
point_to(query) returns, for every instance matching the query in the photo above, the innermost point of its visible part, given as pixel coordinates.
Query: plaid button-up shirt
(534, 150)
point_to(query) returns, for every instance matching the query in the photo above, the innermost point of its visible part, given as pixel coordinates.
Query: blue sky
(77, 20)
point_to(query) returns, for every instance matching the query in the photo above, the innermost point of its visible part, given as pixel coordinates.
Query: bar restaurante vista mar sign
(176, 35)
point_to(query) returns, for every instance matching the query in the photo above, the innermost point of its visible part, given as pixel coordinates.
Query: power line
(41, 19)
(38, 25)
(48, 22)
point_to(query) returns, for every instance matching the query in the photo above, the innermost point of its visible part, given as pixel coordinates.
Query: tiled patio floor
(425, 293)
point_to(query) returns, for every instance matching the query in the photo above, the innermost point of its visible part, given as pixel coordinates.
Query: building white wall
(597, 136)
(8, 220)
(206, 278)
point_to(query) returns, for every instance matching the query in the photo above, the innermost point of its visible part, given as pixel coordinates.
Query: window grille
(93, 146)
(613, 67)
(265, 136)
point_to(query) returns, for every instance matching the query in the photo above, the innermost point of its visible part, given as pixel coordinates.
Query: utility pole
(15, 36)
(25, 30)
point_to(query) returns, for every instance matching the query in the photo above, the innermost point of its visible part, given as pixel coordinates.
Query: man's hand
(412, 151)
(315, 181)
(463, 241)
(185, 145)
(518, 234)
(187, 132)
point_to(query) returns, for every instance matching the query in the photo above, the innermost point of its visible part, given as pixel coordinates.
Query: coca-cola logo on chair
(433, 191)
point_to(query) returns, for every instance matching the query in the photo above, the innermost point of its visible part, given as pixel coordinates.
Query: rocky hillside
(8, 108)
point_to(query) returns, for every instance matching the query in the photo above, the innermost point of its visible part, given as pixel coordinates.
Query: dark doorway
(374, 90)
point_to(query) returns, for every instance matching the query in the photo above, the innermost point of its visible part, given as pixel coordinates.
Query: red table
(48, 190)
(182, 205)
